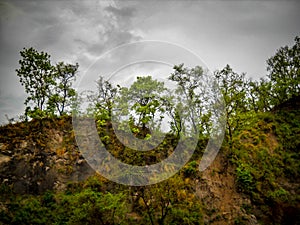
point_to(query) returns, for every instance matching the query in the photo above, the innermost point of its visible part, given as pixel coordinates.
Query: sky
(243, 34)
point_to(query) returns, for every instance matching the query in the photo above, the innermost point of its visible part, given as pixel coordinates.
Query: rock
(23, 144)
(2, 146)
(80, 161)
(4, 159)
(60, 162)
(66, 155)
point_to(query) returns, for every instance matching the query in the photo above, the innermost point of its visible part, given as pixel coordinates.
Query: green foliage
(48, 199)
(84, 207)
(259, 95)
(36, 75)
(48, 87)
(36, 113)
(188, 216)
(282, 82)
(191, 98)
(191, 169)
(90, 207)
(278, 195)
(244, 179)
(62, 93)
(102, 101)
(234, 89)
(143, 100)
(30, 211)
(264, 152)
(89, 202)
(171, 202)
(284, 73)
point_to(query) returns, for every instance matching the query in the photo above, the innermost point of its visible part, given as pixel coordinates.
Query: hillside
(256, 180)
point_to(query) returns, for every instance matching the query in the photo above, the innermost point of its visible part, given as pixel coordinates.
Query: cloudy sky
(242, 34)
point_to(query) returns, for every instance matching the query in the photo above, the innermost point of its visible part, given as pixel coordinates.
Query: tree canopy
(284, 73)
(48, 86)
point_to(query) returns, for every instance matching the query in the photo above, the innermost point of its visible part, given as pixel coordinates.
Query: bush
(191, 169)
(244, 179)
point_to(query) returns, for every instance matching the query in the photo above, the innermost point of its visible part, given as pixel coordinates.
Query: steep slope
(40, 155)
(257, 181)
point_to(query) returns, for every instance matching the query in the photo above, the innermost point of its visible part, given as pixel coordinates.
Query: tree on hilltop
(48, 87)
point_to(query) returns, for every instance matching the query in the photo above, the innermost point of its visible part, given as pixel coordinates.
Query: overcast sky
(242, 34)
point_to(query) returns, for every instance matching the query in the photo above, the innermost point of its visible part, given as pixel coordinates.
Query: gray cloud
(126, 12)
(116, 30)
(243, 34)
(72, 31)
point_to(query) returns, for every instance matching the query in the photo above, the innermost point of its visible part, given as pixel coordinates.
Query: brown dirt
(223, 204)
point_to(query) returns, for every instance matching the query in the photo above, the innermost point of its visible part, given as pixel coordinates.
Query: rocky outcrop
(40, 156)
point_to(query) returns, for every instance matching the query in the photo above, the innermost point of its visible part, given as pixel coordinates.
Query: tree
(282, 82)
(259, 95)
(36, 75)
(192, 96)
(172, 201)
(284, 73)
(62, 93)
(94, 207)
(144, 98)
(234, 89)
(173, 109)
(103, 100)
(49, 87)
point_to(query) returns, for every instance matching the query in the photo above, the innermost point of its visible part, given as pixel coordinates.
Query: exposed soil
(223, 203)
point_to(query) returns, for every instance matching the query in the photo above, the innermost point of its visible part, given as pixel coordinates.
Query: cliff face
(39, 156)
